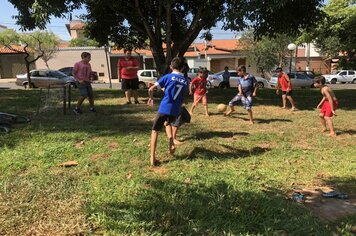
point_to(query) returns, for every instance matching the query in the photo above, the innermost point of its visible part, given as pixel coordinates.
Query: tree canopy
(337, 32)
(168, 27)
(40, 44)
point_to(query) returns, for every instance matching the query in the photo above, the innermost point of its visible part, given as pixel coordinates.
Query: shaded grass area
(227, 178)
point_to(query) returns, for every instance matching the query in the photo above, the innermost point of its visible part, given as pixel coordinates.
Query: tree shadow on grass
(349, 131)
(266, 121)
(215, 134)
(226, 152)
(167, 207)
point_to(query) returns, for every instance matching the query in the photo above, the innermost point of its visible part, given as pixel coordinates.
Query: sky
(57, 25)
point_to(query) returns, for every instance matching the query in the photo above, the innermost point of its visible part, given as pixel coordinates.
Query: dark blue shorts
(86, 90)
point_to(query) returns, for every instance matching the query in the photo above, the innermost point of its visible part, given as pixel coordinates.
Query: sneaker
(92, 109)
(77, 110)
(137, 102)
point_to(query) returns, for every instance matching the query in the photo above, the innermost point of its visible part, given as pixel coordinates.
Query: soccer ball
(221, 107)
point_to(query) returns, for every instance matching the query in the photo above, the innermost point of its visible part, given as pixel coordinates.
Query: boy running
(286, 86)
(174, 85)
(328, 105)
(247, 89)
(200, 91)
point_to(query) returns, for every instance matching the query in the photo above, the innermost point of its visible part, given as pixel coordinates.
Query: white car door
(343, 76)
(350, 75)
(233, 79)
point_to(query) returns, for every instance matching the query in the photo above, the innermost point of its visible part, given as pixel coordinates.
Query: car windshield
(57, 74)
(335, 72)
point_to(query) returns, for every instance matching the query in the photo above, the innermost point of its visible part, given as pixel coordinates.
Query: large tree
(337, 31)
(266, 52)
(39, 44)
(168, 27)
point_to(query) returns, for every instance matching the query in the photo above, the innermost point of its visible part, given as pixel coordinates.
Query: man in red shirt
(127, 72)
(286, 86)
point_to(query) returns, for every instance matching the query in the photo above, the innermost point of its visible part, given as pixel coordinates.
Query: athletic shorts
(127, 84)
(85, 90)
(288, 93)
(183, 117)
(246, 101)
(161, 119)
(326, 109)
(198, 98)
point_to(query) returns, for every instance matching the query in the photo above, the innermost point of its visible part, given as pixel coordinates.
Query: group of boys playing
(177, 83)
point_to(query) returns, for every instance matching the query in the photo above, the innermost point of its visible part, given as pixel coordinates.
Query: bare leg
(80, 101)
(323, 122)
(128, 95)
(284, 101)
(206, 110)
(192, 109)
(331, 126)
(154, 136)
(174, 133)
(291, 102)
(172, 147)
(231, 110)
(250, 116)
(135, 95)
(91, 102)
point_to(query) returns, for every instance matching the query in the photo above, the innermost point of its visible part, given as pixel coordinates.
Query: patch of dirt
(113, 145)
(327, 209)
(99, 156)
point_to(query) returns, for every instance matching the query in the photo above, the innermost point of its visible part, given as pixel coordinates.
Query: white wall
(67, 57)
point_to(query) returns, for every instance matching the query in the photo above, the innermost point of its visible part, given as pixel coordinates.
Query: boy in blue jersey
(174, 85)
(247, 89)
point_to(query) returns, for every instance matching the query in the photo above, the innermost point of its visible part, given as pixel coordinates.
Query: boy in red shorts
(328, 104)
(200, 91)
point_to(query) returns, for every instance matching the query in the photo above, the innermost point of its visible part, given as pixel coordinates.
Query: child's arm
(254, 87)
(150, 95)
(240, 90)
(190, 88)
(277, 87)
(330, 99)
(289, 83)
(321, 102)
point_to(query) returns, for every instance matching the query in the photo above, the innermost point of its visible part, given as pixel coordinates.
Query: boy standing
(174, 85)
(328, 104)
(226, 78)
(127, 72)
(247, 89)
(82, 73)
(286, 85)
(200, 91)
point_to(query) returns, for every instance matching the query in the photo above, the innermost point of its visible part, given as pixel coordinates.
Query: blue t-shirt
(247, 84)
(175, 84)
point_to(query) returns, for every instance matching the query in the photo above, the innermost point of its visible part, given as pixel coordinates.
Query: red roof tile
(5, 50)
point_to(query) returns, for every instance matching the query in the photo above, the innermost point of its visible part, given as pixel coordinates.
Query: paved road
(10, 84)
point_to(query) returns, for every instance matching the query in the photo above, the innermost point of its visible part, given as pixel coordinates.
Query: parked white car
(342, 76)
(193, 72)
(299, 80)
(146, 78)
(216, 79)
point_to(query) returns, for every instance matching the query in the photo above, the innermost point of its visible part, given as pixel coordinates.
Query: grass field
(228, 178)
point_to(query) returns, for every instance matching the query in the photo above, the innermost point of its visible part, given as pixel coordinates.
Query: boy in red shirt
(328, 104)
(200, 91)
(286, 85)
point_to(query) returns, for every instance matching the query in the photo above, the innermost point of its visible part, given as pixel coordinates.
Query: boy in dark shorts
(328, 104)
(286, 86)
(174, 85)
(82, 73)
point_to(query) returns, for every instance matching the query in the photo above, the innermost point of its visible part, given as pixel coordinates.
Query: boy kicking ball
(328, 105)
(174, 85)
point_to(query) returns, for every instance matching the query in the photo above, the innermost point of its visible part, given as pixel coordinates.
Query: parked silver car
(45, 79)
(342, 76)
(299, 80)
(216, 80)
